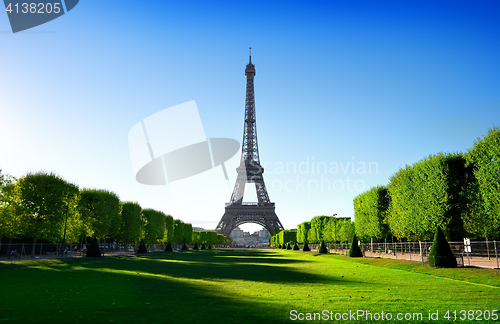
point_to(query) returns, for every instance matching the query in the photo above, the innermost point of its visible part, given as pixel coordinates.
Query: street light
(335, 228)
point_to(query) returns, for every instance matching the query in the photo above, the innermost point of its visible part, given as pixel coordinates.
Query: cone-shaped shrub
(306, 248)
(288, 246)
(169, 247)
(209, 246)
(441, 254)
(184, 247)
(279, 246)
(322, 248)
(354, 250)
(296, 247)
(196, 246)
(283, 246)
(203, 247)
(93, 250)
(142, 248)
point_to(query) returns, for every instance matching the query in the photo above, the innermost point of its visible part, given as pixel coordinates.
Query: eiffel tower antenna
(238, 212)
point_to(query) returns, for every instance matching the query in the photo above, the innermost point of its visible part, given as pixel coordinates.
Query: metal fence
(15, 251)
(481, 253)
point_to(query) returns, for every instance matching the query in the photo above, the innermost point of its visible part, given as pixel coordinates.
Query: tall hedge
(100, 209)
(432, 192)
(131, 227)
(370, 209)
(154, 225)
(484, 158)
(317, 232)
(303, 232)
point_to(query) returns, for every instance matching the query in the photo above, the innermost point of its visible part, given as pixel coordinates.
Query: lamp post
(335, 228)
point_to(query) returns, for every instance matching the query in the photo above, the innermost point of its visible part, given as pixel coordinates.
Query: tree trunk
(33, 248)
(488, 248)
(421, 255)
(8, 247)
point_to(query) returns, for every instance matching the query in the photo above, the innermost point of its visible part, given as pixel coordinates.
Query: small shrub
(196, 246)
(441, 254)
(283, 247)
(354, 250)
(142, 248)
(306, 248)
(203, 247)
(93, 250)
(184, 247)
(169, 247)
(288, 246)
(296, 247)
(322, 248)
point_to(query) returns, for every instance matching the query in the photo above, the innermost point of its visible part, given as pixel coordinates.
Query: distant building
(240, 237)
(263, 233)
(236, 233)
(198, 229)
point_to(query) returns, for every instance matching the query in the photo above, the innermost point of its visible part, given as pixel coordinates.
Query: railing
(482, 253)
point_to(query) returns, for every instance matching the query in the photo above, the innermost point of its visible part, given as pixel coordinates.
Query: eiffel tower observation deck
(250, 170)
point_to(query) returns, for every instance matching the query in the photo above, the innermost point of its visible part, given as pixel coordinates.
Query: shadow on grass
(187, 287)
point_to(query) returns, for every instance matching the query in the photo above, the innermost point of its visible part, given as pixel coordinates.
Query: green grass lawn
(238, 286)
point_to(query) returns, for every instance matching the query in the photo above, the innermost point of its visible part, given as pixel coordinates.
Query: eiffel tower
(250, 171)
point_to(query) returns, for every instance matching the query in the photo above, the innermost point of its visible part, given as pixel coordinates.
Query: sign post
(467, 248)
(496, 254)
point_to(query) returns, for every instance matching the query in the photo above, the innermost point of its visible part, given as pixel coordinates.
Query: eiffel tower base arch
(234, 216)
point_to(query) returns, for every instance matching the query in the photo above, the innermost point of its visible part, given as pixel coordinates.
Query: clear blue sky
(387, 82)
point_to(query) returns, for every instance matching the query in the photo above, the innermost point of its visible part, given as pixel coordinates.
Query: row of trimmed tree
(44, 206)
(327, 229)
(208, 238)
(459, 192)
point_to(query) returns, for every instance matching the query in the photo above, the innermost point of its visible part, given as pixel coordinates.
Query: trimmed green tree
(196, 246)
(306, 248)
(303, 232)
(441, 254)
(483, 220)
(131, 227)
(288, 246)
(168, 248)
(296, 247)
(354, 250)
(370, 209)
(93, 251)
(154, 225)
(45, 199)
(142, 248)
(322, 248)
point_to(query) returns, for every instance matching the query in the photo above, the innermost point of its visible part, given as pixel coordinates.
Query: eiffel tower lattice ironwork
(250, 171)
